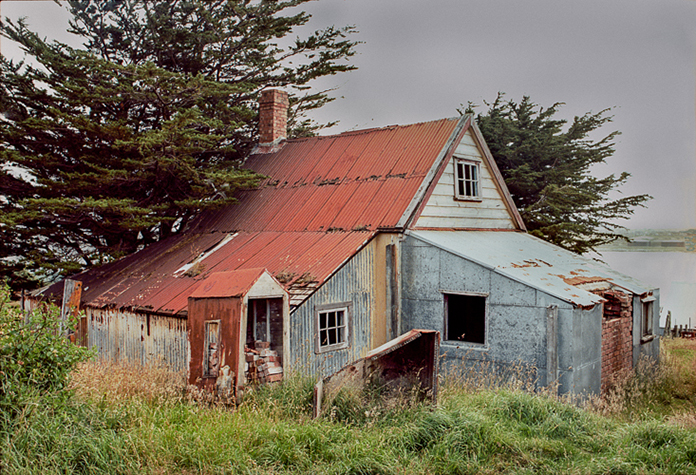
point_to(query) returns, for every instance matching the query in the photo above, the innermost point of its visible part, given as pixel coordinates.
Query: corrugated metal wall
(122, 336)
(353, 283)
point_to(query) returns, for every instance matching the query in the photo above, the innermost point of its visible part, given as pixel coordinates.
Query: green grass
(123, 427)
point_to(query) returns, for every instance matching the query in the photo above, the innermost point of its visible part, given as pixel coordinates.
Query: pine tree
(108, 148)
(546, 167)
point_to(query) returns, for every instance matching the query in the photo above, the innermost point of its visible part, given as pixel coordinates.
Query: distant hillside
(655, 240)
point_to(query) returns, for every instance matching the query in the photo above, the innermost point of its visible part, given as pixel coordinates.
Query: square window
(332, 327)
(465, 318)
(466, 179)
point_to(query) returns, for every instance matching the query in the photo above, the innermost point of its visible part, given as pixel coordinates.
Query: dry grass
(487, 375)
(667, 386)
(94, 380)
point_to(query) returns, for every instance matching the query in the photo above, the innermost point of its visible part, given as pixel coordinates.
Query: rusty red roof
(358, 180)
(234, 283)
(323, 199)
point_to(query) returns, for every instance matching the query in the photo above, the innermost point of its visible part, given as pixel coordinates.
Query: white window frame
(345, 308)
(474, 183)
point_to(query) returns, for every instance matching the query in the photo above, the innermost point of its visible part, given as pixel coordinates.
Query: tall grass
(135, 420)
(664, 388)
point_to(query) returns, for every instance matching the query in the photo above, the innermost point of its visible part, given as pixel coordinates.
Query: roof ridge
(372, 129)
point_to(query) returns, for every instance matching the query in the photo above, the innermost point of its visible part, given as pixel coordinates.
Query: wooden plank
(464, 223)
(70, 307)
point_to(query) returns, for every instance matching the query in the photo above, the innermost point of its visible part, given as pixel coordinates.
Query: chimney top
(273, 116)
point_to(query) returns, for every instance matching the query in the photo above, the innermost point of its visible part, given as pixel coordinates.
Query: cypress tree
(546, 164)
(122, 143)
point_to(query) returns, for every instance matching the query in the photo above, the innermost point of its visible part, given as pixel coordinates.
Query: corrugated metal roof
(323, 199)
(360, 180)
(537, 263)
(397, 343)
(234, 283)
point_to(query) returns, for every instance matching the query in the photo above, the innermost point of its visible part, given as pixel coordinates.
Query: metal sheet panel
(338, 190)
(354, 283)
(307, 175)
(144, 339)
(534, 262)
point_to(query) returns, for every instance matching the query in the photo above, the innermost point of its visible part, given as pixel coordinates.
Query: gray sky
(421, 59)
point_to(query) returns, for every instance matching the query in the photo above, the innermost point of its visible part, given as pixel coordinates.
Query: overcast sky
(421, 59)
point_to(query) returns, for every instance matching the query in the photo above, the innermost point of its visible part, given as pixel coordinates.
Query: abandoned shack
(352, 240)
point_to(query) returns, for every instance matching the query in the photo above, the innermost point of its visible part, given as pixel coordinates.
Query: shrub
(36, 359)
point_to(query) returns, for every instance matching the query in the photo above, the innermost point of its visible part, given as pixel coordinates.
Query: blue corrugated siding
(124, 337)
(353, 283)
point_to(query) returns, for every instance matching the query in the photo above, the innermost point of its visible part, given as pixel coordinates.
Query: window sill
(646, 339)
(465, 345)
(466, 198)
(328, 349)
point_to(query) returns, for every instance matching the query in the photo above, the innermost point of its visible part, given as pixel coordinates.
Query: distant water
(673, 272)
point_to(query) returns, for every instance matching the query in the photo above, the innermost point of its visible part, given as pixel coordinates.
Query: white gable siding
(443, 211)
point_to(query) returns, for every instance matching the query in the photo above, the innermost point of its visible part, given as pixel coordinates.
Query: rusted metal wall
(355, 283)
(146, 339)
(228, 311)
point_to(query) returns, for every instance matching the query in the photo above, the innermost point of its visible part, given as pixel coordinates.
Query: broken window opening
(647, 317)
(211, 356)
(332, 327)
(465, 318)
(466, 179)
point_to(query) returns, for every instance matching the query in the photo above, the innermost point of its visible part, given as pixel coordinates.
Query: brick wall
(617, 340)
(273, 115)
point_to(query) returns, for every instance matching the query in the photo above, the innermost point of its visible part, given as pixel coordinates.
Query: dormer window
(466, 180)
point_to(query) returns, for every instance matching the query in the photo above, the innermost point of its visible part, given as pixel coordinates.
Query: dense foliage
(109, 148)
(36, 359)
(547, 168)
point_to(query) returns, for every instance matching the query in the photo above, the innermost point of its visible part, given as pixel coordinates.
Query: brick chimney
(273, 116)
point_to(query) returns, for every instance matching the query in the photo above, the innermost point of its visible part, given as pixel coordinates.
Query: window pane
(339, 318)
(323, 338)
(322, 320)
(332, 320)
(332, 336)
(341, 334)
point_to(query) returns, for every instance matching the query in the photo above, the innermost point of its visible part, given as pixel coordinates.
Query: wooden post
(551, 345)
(72, 293)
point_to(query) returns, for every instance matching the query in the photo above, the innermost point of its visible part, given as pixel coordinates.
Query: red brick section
(262, 364)
(273, 115)
(617, 341)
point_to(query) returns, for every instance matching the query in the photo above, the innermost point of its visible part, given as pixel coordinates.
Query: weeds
(126, 419)
(96, 380)
(667, 387)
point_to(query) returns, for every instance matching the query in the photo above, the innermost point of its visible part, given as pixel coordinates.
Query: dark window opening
(211, 356)
(465, 318)
(647, 318)
(265, 323)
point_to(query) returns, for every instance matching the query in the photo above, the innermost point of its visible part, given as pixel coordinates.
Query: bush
(36, 359)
